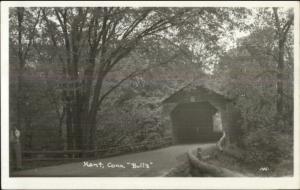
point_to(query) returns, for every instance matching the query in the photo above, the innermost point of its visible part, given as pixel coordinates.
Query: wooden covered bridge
(198, 113)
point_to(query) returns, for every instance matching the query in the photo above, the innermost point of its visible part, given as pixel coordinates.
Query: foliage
(250, 76)
(85, 54)
(88, 77)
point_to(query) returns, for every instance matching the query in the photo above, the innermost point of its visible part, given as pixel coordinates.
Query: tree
(89, 43)
(103, 28)
(282, 26)
(23, 23)
(249, 74)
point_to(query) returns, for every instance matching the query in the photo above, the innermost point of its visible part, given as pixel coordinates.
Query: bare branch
(31, 34)
(63, 24)
(52, 36)
(136, 23)
(287, 26)
(277, 22)
(133, 74)
(20, 12)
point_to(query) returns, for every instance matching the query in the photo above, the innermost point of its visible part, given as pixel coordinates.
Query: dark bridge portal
(193, 122)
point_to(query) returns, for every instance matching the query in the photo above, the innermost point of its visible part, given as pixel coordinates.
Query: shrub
(268, 145)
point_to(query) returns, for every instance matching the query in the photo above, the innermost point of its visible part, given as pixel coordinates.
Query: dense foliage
(250, 76)
(85, 78)
(85, 54)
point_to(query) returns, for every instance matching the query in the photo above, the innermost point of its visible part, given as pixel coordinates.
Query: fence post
(18, 151)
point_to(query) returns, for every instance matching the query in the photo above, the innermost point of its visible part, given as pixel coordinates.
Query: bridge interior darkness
(193, 122)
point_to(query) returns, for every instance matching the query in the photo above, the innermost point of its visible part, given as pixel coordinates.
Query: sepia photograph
(131, 90)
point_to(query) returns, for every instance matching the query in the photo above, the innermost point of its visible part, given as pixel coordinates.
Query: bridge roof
(197, 89)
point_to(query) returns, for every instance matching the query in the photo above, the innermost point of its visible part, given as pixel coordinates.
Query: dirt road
(147, 164)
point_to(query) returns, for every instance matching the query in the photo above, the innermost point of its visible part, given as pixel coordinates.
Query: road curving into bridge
(152, 163)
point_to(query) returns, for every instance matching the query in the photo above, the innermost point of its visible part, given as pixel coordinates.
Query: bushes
(261, 148)
(135, 120)
(267, 142)
(267, 136)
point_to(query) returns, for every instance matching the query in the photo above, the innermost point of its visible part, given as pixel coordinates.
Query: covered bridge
(197, 113)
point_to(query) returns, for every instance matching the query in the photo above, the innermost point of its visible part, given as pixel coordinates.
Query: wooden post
(18, 151)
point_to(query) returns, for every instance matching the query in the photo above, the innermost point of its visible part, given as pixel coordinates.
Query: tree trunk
(77, 127)
(280, 68)
(20, 67)
(19, 98)
(92, 139)
(282, 32)
(85, 128)
(69, 127)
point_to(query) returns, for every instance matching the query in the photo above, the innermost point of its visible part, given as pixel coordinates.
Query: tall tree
(282, 26)
(252, 74)
(23, 26)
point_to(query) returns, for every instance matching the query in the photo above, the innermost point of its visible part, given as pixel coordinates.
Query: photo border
(141, 182)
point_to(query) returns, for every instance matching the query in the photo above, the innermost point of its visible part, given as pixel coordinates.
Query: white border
(141, 182)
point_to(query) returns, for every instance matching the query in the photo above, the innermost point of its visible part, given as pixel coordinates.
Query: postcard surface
(155, 95)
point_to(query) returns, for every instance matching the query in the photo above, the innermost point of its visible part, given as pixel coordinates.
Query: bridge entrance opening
(193, 122)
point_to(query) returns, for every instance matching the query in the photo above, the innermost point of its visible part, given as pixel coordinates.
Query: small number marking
(264, 169)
